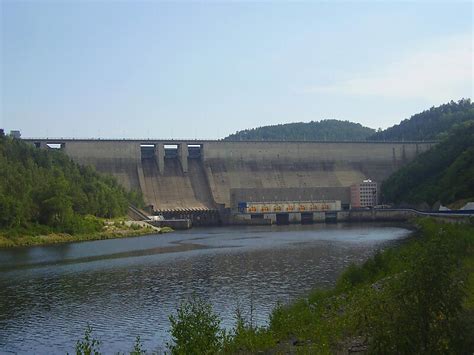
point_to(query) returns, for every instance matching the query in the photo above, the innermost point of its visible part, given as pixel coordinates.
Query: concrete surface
(292, 167)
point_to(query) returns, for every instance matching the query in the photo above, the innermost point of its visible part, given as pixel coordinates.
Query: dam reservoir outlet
(129, 287)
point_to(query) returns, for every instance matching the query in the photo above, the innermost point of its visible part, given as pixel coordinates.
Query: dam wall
(285, 165)
(120, 160)
(209, 175)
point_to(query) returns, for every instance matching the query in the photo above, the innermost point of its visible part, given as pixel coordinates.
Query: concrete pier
(183, 156)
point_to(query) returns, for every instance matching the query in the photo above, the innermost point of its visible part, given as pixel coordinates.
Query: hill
(310, 131)
(44, 191)
(444, 173)
(431, 124)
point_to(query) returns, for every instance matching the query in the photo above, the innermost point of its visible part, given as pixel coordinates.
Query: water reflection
(130, 286)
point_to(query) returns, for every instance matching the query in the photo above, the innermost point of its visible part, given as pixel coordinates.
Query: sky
(203, 70)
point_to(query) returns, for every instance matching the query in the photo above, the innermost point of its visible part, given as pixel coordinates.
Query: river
(128, 287)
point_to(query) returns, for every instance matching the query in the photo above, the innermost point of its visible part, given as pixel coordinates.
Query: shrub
(89, 345)
(420, 309)
(138, 347)
(195, 329)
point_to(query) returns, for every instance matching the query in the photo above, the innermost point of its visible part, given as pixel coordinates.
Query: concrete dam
(178, 176)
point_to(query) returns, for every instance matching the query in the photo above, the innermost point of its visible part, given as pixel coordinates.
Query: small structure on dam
(364, 194)
(204, 180)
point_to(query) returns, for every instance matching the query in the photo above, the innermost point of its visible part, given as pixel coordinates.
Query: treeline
(445, 173)
(432, 124)
(45, 191)
(325, 130)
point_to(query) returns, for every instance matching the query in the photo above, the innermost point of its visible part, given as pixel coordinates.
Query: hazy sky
(206, 69)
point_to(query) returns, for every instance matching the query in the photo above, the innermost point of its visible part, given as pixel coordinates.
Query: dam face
(215, 175)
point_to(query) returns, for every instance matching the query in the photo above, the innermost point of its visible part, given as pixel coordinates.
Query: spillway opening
(171, 151)
(147, 150)
(282, 218)
(194, 151)
(306, 217)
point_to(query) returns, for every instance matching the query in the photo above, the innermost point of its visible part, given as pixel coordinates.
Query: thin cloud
(443, 71)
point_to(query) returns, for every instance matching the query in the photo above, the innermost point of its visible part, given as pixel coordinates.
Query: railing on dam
(197, 141)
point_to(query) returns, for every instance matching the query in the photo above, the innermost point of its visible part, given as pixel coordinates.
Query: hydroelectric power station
(208, 181)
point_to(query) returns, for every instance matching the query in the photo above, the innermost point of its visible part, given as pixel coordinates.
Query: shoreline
(128, 231)
(26, 241)
(129, 228)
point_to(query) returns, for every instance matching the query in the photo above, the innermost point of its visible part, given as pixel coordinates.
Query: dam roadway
(206, 175)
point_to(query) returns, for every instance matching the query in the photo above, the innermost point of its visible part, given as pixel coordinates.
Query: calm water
(128, 287)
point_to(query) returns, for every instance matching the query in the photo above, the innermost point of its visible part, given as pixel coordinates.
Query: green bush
(88, 345)
(195, 329)
(246, 337)
(138, 347)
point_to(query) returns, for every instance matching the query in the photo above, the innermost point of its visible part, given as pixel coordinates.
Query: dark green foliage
(246, 335)
(418, 310)
(89, 345)
(325, 130)
(135, 197)
(432, 124)
(45, 188)
(196, 329)
(444, 173)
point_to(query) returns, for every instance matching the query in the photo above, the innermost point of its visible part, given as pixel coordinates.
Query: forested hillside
(44, 191)
(325, 130)
(430, 124)
(445, 173)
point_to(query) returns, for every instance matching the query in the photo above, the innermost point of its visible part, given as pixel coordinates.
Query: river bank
(417, 297)
(111, 229)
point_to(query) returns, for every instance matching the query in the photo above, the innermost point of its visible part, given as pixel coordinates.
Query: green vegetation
(138, 347)
(196, 329)
(44, 192)
(417, 298)
(109, 230)
(166, 229)
(88, 345)
(325, 130)
(444, 173)
(432, 124)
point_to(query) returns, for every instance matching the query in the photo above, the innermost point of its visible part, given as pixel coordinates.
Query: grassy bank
(106, 229)
(416, 298)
